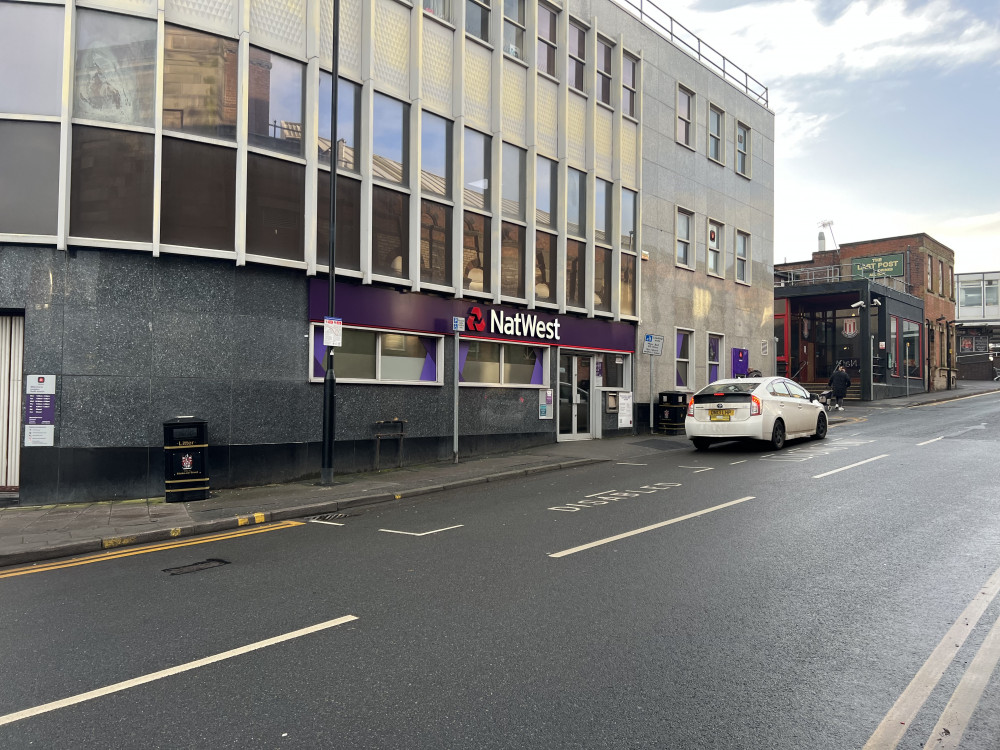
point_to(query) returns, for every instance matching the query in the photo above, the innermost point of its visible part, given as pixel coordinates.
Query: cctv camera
(877, 302)
(859, 303)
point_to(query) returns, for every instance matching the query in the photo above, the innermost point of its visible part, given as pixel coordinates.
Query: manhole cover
(197, 567)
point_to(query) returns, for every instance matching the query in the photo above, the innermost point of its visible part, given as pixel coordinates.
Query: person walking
(839, 382)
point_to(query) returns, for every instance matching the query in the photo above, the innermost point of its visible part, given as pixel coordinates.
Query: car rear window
(725, 388)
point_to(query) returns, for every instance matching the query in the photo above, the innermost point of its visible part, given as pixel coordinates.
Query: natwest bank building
(525, 377)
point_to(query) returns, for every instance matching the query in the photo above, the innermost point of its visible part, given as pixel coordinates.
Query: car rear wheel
(821, 427)
(701, 444)
(778, 435)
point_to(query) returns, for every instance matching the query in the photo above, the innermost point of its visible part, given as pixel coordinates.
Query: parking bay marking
(136, 681)
(644, 529)
(425, 533)
(845, 468)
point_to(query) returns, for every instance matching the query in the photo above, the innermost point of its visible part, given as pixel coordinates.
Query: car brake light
(691, 407)
(754, 406)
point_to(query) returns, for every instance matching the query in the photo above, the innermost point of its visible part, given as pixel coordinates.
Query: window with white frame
(685, 238)
(941, 277)
(629, 69)
(742, 257)
(604, 50)
(438, 8)
(513, 28)
(497, 363)
(714, 358)
(477, 19)
(715, 248)
(370, 356)
(577, 56)
(685, 116)
(716, 131)
(546, 49)
(742, 149)
(684, 377)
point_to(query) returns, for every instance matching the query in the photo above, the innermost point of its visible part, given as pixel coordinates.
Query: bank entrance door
(575, 396)
(11, 357)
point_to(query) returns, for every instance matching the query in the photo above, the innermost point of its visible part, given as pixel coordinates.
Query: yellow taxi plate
(720, 415)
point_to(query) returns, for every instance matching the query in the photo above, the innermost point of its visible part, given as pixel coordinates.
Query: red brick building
(914, 264)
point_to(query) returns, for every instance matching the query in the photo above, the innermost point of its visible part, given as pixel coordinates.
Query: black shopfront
(877, 333)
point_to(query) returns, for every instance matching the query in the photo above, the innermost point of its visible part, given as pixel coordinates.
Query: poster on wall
(965, 345)
(545, 403)
(624, 409)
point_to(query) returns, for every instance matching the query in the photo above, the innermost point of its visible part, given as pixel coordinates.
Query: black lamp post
(330, 379)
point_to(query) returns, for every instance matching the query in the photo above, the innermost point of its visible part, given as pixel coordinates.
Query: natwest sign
(373, 306)
(518, 325)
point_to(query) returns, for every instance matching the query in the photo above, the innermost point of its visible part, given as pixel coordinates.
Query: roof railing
(829, 274)
(683, 38)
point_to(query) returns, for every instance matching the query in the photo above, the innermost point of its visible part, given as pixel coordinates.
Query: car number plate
(720, 415)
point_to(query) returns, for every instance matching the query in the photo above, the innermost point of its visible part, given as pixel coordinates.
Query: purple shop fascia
(378, 307)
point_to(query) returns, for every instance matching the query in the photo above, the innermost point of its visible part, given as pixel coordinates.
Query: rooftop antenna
(828, 224)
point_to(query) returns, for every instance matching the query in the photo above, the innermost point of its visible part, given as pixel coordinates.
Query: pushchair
(826, 398)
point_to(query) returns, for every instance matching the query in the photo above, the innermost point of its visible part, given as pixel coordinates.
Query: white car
(769, 409)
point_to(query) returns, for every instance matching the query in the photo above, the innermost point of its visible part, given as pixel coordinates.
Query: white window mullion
(65, 125)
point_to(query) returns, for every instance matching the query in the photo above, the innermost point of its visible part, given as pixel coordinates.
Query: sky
(887, 116)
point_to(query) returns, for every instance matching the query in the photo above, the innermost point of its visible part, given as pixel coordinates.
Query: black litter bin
(185, 459)
(671, 411)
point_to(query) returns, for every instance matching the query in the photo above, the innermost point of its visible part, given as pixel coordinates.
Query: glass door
(574, 395)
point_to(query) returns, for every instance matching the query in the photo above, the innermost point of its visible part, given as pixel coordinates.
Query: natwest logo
(475, 320)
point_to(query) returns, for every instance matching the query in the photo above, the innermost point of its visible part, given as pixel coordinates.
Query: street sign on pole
(653, 345)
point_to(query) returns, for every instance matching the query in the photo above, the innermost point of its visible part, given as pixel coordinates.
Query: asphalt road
(737, 598)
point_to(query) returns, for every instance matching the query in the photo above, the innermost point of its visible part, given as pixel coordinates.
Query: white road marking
(967, 695)
(928, 442)
(625, 463)
(328, 523)
(699, 468)
(738, 462)
(890, 731)
(644, 529)
(136, 681)
(845, 468)
(598, 494)
(413, 533)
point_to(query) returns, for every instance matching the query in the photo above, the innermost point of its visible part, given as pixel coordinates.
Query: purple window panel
(536, 374)
(430, 361)
(463, 352)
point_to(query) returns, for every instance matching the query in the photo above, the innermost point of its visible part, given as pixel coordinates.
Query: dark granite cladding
(135, 340)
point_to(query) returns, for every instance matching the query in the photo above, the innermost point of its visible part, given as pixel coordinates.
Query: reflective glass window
(602, 211)
(435, 155)
(200, 74)
(348, 248)
(513, 28)
(628, 284)
(30, 150)
(522, 365)
(513, 181)
(438, 8)
(604, 71)
(481, 363)
(476, 256)
(576, 273)
(348, 122)
(111, 192)
(602, 279)
(477, 19)
(275, 207)
(546, 191)
(198, 200)
(577, 63)
(276, 95)
(477, 170)
(576, 203)
(355, 358)
(628, 220)
(546, 50)
(115, 71)
(407, 358)
(31, 42)
(390, 232)
(512, 260)
(545, 266)
(390, 137)
(435, 243)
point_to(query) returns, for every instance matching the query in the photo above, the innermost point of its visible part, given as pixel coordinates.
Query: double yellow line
(144, 549)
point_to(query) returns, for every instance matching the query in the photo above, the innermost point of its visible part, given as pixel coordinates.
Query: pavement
(29, 534)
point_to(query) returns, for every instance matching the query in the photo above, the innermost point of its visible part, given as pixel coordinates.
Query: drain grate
(212, 562)
(328, 517)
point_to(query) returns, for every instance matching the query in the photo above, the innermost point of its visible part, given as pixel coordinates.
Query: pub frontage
(877, 333)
